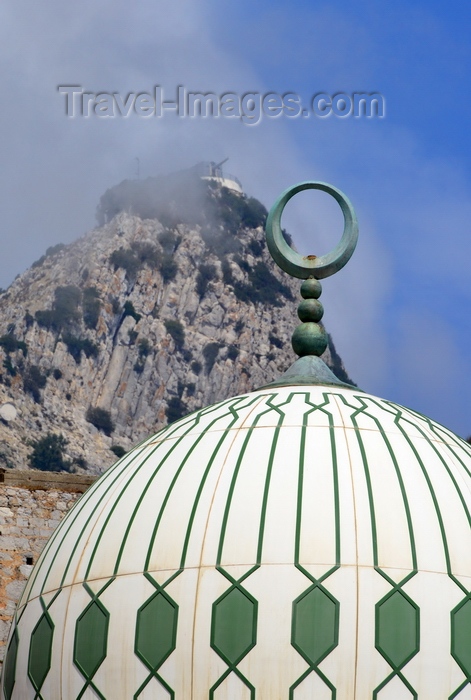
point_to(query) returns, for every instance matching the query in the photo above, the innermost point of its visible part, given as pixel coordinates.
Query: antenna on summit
(213, 171)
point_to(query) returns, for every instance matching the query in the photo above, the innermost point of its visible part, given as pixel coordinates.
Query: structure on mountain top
(304, 540)
(213, 173)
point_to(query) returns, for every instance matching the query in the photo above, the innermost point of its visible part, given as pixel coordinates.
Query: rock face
(140, 321)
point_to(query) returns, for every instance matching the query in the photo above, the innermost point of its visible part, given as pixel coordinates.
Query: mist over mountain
(171, 304)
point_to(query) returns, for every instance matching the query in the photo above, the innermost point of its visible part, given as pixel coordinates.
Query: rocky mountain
(172, 303)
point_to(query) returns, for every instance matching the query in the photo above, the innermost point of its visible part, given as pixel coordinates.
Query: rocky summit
(171, 304)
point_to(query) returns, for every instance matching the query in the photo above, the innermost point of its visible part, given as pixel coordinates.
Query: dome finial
(309, 338)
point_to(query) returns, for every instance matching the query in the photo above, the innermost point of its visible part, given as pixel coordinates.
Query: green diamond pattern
(397, 628)
(461, 635)
(10, 665)
(40, 649)
(234, 625)
(91, 634)
(315, 624)
(156, 630)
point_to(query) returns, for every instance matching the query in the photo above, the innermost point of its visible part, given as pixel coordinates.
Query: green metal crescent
(311, 266)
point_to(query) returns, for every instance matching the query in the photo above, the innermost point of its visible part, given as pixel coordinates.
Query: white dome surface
(298, 542)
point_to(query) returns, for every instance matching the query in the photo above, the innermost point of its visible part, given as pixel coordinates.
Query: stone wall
(32, 504)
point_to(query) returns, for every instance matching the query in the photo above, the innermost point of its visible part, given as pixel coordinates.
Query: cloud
(427, 357)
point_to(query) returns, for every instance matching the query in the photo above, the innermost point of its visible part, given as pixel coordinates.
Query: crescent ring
(304, 267)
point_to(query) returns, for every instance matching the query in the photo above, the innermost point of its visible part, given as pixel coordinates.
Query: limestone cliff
(139, 322)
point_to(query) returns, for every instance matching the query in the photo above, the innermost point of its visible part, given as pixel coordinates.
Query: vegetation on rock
(65, 309)
(168, 267)
(101, 419)
(76, 346)
(176, 409)
(118, 451)
(52, 250)
(33, 381)
(91, 307)
(206, 273)
(233, 353)
(48, 453)
(11, 344)
(176, 330)
(196, 366)
(134, 258)
(210, 353)
(129, 310)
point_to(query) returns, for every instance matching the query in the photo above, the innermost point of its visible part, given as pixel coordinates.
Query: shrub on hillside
(239, 326)
(288, 237)
(10, 344)
(52, 250)
(210, 352)
(235, 211)
(227, 272)
(176, 409)
(196, 366)
(91, 306)
(262, 286)
(255, 214)
(76, 346)
(256, 248)
(146, 253)
(218, 242)
(125, 259)
(190, 389)
(65, 309)
(144, 350)
(100, 418)
(66, 302)
(206, 273)
(144, 347)
(48, 454)
(138, 366)
(176, 330)
(33, 381)
(118, 450)
(44, 318)
(8, 365)
(168, 268)
(233, 353)
(129, 310)
(169, 241)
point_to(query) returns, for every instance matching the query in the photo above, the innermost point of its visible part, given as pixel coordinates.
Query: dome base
(309, 370)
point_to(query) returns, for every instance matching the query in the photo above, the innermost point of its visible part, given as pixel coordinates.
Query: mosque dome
(305, 540)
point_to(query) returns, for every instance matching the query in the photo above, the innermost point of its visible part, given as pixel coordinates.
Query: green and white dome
(304, 541)
(294, 542)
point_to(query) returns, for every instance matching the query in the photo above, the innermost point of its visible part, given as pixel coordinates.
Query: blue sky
(399, 312)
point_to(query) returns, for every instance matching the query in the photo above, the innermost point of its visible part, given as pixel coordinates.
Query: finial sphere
(311, 289)
(309, 339)
(306, 266)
